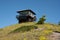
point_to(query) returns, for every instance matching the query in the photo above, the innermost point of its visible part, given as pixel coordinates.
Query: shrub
(58, 23)
(41, 20)
(25, 28)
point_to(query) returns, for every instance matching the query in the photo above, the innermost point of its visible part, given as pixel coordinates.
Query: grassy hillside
(30, 31)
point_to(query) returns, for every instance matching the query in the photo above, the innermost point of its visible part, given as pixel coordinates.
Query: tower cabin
(26, 16)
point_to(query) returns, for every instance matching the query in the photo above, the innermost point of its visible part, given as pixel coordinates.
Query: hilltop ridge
(30, 31)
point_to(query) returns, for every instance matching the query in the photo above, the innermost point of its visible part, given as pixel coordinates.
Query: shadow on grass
(24, 28)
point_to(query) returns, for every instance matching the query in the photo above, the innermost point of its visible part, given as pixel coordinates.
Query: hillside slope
(30, 31)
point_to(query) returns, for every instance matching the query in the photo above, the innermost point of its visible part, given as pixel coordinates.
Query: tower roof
(26, 10)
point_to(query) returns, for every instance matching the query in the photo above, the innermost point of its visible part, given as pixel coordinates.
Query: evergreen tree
(59, 23)
(41, 20)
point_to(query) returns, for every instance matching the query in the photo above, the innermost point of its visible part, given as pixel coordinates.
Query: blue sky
(8, 10)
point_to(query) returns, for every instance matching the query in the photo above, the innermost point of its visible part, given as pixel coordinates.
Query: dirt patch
(54, 36)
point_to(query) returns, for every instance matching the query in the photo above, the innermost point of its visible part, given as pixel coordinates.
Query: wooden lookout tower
(26, 16)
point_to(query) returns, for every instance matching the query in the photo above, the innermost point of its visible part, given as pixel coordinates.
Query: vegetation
(59, 23)
(28, 31)
(25, 28)
(1, 29)
(41, 20)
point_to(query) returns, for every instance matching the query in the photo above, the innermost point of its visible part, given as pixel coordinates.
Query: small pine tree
(59, 23)
(41, 20)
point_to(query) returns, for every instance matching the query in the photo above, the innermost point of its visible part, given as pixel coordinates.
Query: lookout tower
(26, 16)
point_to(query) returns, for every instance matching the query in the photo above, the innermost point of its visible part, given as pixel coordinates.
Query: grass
(28, 31)
(24, 28)
(42, 38)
